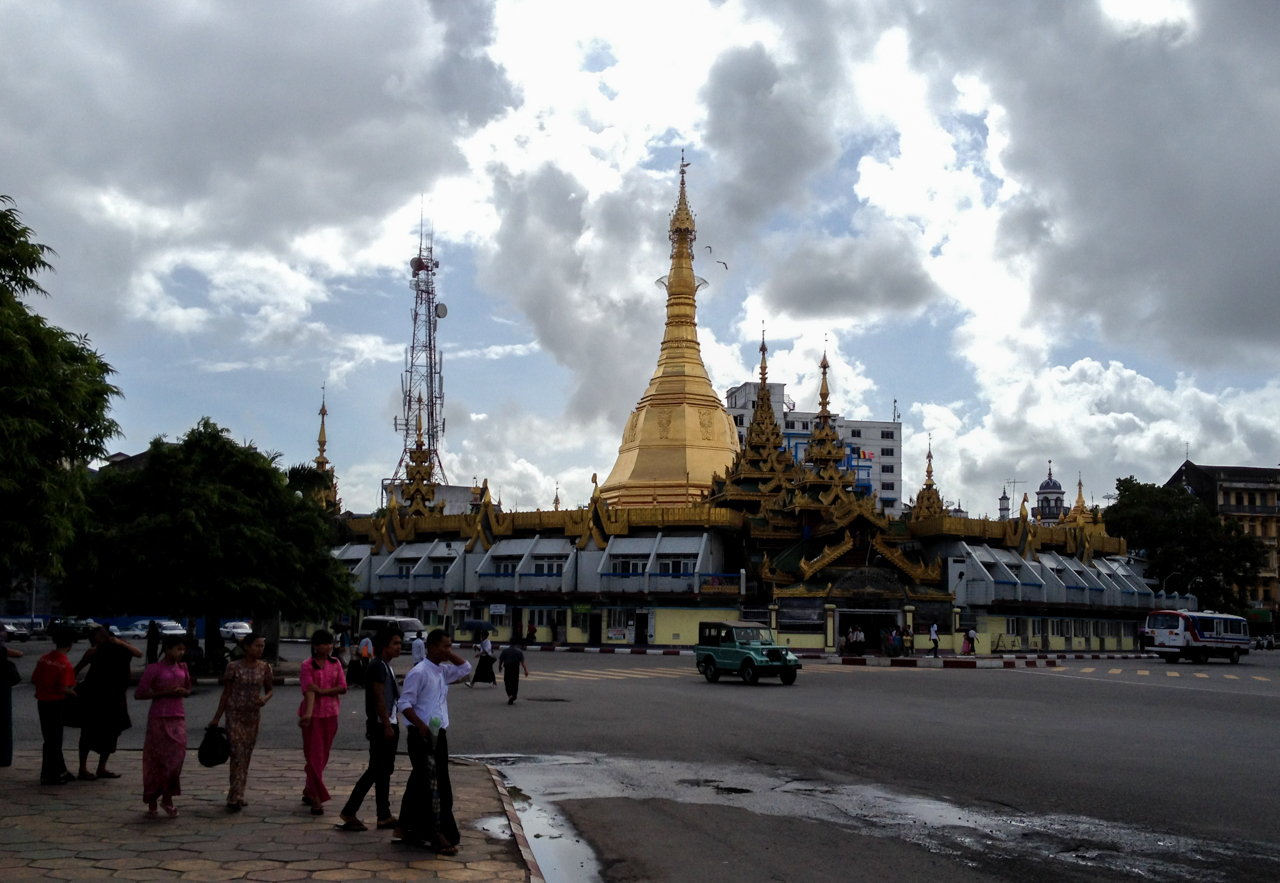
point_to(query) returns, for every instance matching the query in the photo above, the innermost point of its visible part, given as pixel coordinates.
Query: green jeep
(745, 649)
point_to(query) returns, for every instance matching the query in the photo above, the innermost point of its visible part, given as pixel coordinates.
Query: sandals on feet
(391, 822)
(170, 810)
(86, 777)
(351, 824)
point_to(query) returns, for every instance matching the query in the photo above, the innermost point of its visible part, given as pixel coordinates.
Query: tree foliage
(207, 527)
(1188, 548)
(54, 400)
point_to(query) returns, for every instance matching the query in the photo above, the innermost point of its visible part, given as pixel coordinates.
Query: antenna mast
(422, 386)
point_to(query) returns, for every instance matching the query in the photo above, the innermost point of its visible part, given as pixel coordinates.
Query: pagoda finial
(556, 502)
(764, 365)
(682, 219)
(824, 391)
(928, 469)
(322, 440)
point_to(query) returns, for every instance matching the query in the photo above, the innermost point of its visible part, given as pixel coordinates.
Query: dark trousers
(382, 763)
(6, 723)
(417, 820)
(54, 766)
(511, 680)
(935, 646)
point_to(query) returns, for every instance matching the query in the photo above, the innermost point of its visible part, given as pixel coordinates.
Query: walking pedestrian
(426, 812)
(531, 636)
(166, 682)
(366, 657)
(382, 729)
(55, 680)
(153, 641)
(104, 704)
(247, 686)
(933, 636)
(510, 661)
(484, 665)
(6, 701)
(419, 649)
(859, 641)
(322, 682)
(973, 642)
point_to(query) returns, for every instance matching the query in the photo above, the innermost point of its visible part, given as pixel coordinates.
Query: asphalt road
(1177, 751)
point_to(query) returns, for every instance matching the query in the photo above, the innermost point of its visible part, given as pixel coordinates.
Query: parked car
(370, 625)
(139, 628)
(234, 631)
(745, 649)
(16, 631)
(80, 628)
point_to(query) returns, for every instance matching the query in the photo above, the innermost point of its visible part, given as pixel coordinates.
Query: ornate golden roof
(824, 447)
(679, 436)
(928, 501)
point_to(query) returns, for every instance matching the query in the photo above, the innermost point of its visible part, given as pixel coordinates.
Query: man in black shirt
(381, 729)
(510, 661)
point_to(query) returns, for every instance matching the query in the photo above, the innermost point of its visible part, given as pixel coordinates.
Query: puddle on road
(938, 825)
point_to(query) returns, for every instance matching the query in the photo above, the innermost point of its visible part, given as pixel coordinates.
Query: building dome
(1050, 483)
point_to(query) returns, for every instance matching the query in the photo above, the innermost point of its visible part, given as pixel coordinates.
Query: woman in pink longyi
(166, 683)
(322, 682)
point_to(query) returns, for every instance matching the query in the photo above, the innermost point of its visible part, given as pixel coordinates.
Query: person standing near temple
(166, 682)
(933, 636)
(247, 686)
(55, 680)
(153, 641)
(510, 661)
(424, 703)
(484, 665)
(6, 702)
(104, 703)
(418, 649)
(382, 729)
(531, 637)
(322, 682)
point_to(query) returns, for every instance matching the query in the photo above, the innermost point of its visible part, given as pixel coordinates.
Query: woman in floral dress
(166, 683)
(247, 686)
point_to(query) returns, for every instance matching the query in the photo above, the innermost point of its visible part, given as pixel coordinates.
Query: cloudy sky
(1047, 229)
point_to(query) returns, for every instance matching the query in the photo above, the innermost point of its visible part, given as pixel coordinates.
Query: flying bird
(723, 264)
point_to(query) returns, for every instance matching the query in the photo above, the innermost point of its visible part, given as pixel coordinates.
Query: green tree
(207, 527)
(54, 400)
(1187, 547)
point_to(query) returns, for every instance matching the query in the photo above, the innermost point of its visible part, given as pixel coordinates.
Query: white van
(1177, 634)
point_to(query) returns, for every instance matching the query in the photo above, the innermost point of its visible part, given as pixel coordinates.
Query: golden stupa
(679, 436)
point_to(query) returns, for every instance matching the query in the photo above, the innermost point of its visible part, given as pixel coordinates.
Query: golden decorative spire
(679, 428)
(824, 391)
(824, 449)
(329, 496)
(928, 469)
(322, 440)
(928, 501)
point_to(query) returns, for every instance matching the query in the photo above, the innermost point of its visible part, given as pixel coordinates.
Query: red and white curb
(1014, 661)
(517, 829)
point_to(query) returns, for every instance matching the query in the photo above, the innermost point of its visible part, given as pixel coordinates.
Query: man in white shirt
(419, 649)
(425, 697)
(933, 636)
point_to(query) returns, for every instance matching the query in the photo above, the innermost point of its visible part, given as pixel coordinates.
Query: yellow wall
(668, 622)
(803, 640)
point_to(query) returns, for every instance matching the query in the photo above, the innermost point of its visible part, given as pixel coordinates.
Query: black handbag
(11, 674)
(215, 747)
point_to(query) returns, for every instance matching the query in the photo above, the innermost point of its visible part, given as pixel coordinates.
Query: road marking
(1087, 670)
(1115, 671)
(1231, 677)
(1258, 678)
(1201, 675)
(1143, 671)
(612, 672)
(1173, 674)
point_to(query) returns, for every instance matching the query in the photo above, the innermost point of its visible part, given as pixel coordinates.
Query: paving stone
(342, 874)
(493, 865)
(79, 874)
(191, 864)
(212, 876)
(127, 864)
(464, 874)
(143, 874)
(277, 875)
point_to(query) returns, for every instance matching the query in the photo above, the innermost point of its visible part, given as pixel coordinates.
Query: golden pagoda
(328, 497)
(928, 502)
(679, 436)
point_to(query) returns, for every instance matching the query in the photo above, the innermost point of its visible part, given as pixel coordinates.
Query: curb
(1049, 660)
(517, 830)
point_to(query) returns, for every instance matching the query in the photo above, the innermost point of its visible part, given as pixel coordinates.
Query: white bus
(1177, 634)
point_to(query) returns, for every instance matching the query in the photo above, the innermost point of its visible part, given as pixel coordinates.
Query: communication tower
(422, 384)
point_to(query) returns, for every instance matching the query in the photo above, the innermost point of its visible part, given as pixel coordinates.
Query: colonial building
(1250, 495)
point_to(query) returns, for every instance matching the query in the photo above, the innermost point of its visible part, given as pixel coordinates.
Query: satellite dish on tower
(417, 265)
(441, 311)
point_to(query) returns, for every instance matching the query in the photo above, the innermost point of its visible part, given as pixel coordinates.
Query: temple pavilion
(690, 525)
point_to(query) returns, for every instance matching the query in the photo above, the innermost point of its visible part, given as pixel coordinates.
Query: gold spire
(329, 496)
(824, 392)
(679, 427)
(322, 440)
(928, 469)
(928, 501)
(824, 449)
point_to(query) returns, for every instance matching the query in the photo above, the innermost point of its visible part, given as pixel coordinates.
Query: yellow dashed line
(1173, 674)
(614, 673)
(1115, 671)
(1231, 677)
(1260, 678)
(1087, 670)
(1201, 675)
(1143, 671)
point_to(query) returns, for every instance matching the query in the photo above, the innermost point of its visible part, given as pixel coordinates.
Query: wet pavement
(94, 830)
(1003, 842)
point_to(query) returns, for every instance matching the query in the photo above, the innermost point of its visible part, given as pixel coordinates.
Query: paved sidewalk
(93, 830)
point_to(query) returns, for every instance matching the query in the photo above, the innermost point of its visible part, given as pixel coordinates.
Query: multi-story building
(1249, 494)
(873, 447)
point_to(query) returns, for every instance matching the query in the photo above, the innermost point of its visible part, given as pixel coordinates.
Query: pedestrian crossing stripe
(1143, 671)
(1201, 675)
(1087, 670)
(1115, 671)
(1173, 674)
(1231, 677)
(1260, 678)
